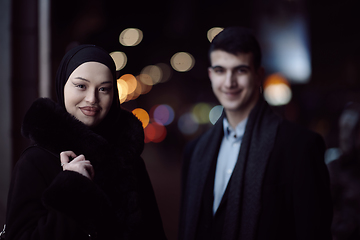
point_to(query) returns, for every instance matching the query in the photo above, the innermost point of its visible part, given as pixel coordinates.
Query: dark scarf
(49, 126)
(244, 199)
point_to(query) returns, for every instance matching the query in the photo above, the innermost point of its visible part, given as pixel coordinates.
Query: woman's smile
(90, 111)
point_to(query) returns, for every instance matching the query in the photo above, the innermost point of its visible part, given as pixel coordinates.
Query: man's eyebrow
(242, 66)
(216, 66)
(236, 67)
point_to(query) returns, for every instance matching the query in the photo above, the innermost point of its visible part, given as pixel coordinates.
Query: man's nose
(230, 79)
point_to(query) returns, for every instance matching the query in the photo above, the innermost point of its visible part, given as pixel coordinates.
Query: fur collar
(50, 126)
(112, 149)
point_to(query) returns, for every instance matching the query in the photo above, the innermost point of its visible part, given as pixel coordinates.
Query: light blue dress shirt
(228, 154)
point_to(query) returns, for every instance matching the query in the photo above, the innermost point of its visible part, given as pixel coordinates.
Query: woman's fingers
(64, 157)
(78, 164)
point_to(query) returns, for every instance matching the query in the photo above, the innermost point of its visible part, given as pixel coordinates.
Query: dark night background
(173, 26)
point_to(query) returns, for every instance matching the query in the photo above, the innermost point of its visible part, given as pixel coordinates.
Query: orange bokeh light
(144, 88)
(275, 78)
(142, 115)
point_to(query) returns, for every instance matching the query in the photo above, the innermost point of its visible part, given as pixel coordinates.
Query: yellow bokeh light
(182, 61)
(131, 37)
(138, 89)
(201, 112)
(120, 59)
(130, 81)
(277, 90)
(213, 32)
(142, 115)
(122, 89)
(145, 79)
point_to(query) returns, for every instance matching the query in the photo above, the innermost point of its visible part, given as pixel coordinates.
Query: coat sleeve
(311, 192)
(41, 208)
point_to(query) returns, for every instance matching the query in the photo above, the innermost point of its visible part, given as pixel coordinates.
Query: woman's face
(88, 93)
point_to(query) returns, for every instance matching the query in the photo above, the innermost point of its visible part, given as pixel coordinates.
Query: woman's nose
(91, 97)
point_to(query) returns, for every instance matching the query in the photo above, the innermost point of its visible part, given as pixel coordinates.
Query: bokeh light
(163, 114)
(187, 124)
(145, 83)
(201, 112)
(215, 113)
(155, 132)
(122, 90)
(213, 32)
(142, 115)
(182, 61)
(166, 72)
(131, 37)
(151, 75)
(277, 90)
(130, 81)
(120, 59)
(286, 47)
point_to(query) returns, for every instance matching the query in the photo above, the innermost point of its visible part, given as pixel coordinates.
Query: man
(253, 175)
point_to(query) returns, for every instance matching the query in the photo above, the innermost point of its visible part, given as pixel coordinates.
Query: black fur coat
(47, 203)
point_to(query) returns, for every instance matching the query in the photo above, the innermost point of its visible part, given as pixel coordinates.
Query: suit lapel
(204, 154)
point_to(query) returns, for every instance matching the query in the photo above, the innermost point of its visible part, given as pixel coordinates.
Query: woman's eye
(81, 86)
(104, 89)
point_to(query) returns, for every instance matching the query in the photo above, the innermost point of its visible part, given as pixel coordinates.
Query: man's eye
(218, 70)
(242, 70)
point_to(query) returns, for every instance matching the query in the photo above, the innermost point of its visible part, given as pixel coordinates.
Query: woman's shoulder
(35, 157)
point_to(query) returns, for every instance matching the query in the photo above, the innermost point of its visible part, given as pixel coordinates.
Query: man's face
(234, 80)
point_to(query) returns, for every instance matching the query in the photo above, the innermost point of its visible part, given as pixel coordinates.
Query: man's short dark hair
(237, 40)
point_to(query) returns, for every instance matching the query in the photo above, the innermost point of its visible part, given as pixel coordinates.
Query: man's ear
(209, 72)
(261, 72)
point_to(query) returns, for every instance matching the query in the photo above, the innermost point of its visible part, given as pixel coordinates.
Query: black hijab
(73, 59)
(77, 56)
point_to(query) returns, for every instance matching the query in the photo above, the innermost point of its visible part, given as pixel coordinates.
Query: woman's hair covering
(77, 56)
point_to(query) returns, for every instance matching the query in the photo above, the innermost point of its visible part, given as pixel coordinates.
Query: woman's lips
(89, 111)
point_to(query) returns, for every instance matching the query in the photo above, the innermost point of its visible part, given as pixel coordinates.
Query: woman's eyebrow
(81, 78)
(84, 79)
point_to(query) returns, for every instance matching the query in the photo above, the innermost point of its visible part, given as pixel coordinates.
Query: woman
(83, 178)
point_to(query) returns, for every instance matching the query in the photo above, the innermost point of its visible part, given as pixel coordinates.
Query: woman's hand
(78, 164)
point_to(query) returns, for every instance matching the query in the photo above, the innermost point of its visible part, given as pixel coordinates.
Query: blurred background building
(311, 55)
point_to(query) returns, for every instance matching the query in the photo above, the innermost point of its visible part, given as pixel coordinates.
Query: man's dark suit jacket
(289, 199)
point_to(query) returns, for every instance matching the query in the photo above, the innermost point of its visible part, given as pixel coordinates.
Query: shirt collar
(239, 131)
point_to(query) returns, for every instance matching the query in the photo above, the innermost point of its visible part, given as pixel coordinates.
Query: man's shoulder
(208, 135)
(290, 130)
